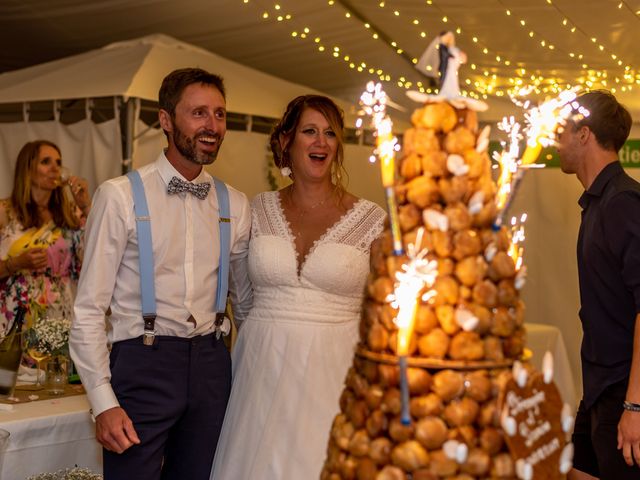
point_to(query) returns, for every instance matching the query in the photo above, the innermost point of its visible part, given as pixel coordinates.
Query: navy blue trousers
(176, 393)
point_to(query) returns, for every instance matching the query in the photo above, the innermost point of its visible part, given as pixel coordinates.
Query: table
(49, 435)
(542, 338)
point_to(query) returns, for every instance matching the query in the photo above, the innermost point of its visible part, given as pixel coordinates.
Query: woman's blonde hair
(26, 209)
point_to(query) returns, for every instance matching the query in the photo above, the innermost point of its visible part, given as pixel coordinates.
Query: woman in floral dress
(41, 232)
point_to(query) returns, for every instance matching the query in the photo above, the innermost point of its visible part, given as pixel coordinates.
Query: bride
(308, 262)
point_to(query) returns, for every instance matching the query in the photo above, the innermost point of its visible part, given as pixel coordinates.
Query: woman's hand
(34, 259)
(80, 191)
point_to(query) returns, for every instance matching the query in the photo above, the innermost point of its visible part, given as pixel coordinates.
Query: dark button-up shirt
(609, 274)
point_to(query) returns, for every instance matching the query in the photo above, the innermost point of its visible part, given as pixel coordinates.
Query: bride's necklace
(304, 211)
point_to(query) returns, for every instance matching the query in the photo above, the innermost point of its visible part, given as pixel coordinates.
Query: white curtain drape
(92, 151)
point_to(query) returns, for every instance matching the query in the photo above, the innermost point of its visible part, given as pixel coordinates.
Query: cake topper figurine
(441, 60)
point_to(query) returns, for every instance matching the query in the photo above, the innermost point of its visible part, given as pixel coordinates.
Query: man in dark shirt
(608, 419)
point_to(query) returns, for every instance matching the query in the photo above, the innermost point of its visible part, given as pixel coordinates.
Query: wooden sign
(532, 424)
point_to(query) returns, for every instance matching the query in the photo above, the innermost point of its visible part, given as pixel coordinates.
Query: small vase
(56, 375)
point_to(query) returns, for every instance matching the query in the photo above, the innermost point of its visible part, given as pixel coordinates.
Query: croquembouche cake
(477, 408)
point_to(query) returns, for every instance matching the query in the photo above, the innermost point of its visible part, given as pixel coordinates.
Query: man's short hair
(609, 121)
(174, 84)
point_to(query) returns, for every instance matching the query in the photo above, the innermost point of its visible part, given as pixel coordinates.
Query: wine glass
(31, 345)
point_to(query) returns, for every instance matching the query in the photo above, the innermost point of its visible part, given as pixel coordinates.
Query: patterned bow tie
(177, 185)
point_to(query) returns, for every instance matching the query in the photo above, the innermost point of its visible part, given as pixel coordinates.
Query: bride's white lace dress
(294, 349)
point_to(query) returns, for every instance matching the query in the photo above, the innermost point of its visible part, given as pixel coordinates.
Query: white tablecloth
(49, 435)
(542, 338)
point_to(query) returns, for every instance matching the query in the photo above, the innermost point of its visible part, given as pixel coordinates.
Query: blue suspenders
(145, 253)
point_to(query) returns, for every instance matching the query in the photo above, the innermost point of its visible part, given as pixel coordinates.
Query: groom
(160, 394)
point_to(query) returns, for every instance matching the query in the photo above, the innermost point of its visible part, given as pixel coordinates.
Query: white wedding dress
(294, 349)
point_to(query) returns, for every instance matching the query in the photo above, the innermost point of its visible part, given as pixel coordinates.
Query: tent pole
(129, 134)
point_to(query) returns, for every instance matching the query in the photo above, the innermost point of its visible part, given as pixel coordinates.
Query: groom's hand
(114, 430)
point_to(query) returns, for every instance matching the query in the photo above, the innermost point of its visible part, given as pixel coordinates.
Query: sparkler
(416, 275)
(374, 101)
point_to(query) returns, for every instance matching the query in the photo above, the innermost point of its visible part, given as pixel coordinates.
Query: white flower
(49, 335)
(285, 172)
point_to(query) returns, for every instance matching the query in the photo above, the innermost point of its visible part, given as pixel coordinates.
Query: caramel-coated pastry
(466, 243)
(502, 466)
(424, 405)
(359, 443)
(367, 368)
(446, 289)
(507, 293)
(373, 396)
(391, 472)
(395, 263)
(400, 432)
(347, 397)
(503, 265)
(356, 382)
(442, 243)
(485, 217)
(377, 260)
(422, 191)
(466, 346)
(478, 385)
(431, 432)
(439, 116)
(520, 308)
(504, 322)
(446, 318)
(409, 456)
(447, 384)
(377, 338)
(442, 466)
(411, 237)
(479, 164)
(370, 313)
(425, 319)
(446, 266)
(514, 345)
(485, 184)
(461, 476)
(491, 440)
(348, 467)
(423, 474)
(380, 289)
(391, 401)
(419, 381)
(485, 293)
(464, 434)
(411, 166)
(376, 424)
(389, 375)
(411, 348)
(409, 217)
(434, 344)
(469, 118)
(380, 450)
(454, 189)
(459, 216)
(489, 414)
(477, 464)
(471, 270)
(420, 140)
(387, 315)
(493, 348)
(484, 316)
(465, 293)
(366, 469)
(461, 411)
(459, 140)
(342, 431)
(335, 457)
(434, 163)
(357, 413)
(386, 242)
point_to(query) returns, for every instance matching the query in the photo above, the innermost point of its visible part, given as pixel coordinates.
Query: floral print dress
(52, 289)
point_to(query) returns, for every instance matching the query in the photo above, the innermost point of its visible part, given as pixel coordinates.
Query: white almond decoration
(509, 424)
(455, 450)
(483, 139)
(524, 470)
(521, 278)
(467, 320)
(566, 459)
(457, 165)
(490, 252)
(476, 202)
(547, 367)
(435, 220)
(567, 418)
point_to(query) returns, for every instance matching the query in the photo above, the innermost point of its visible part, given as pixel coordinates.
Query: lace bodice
(331, 279)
